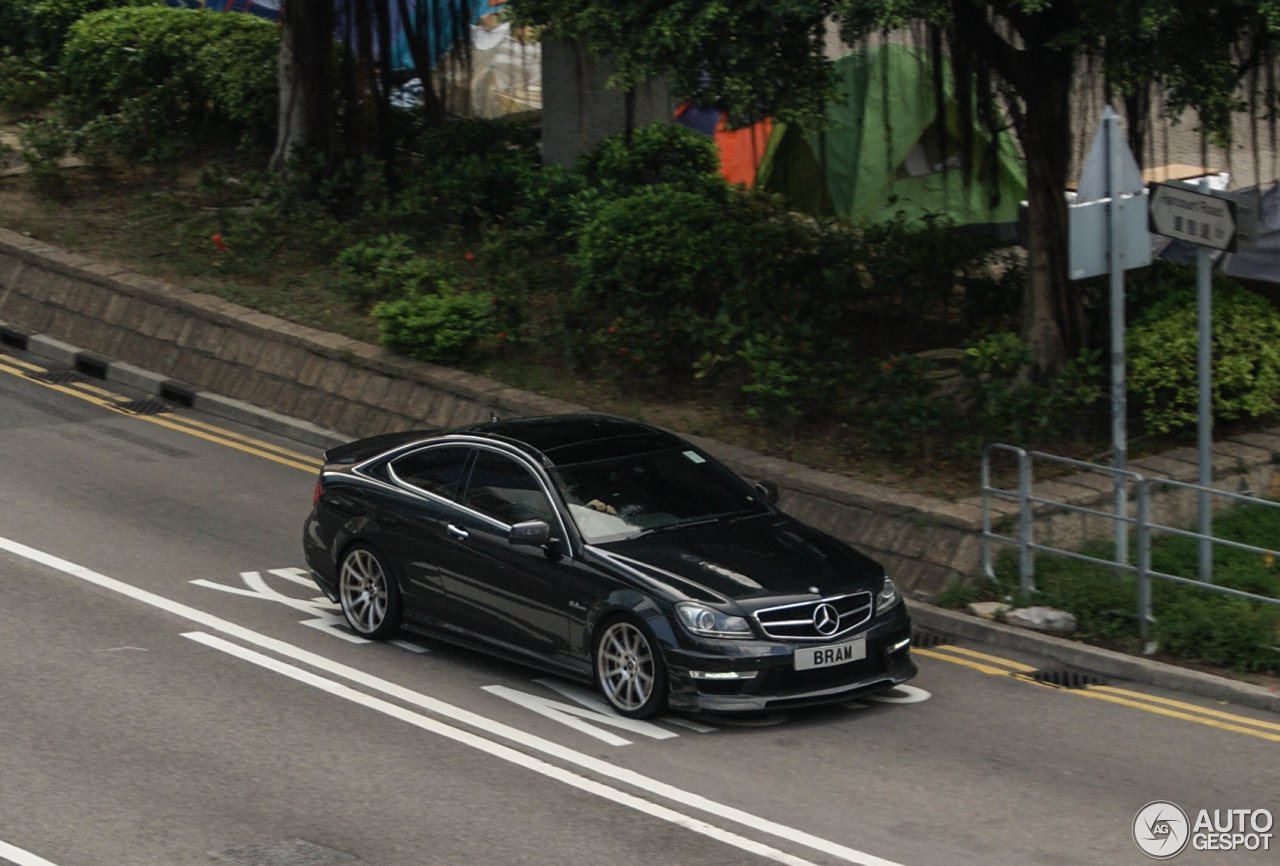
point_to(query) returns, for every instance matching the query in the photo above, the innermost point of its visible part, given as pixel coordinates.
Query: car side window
(505, 490)
(435, 470)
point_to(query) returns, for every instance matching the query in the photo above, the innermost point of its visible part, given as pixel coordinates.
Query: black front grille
(800, 621)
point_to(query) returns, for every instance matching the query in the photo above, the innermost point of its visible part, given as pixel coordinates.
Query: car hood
(756, 557)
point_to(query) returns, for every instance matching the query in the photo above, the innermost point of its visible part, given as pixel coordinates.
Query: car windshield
(620, 497)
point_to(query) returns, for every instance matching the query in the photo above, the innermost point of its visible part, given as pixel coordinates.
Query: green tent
(882, 152)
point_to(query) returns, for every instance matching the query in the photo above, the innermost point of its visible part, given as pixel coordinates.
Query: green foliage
(775, 384)
(437, 328)
(1003, 404)
(386, 266)
(752, 57)
(653, 258)
(467, 175)
(1220, 630)
(38, 28)
(43, 144)
(902, 407)
(158, 71)
(910, 265)
(24, 83)
(1162, 349)
(656, 153)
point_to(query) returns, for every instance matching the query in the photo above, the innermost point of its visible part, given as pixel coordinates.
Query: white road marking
(593, 700)
(498, 750)
(21, 858)
(901, 695)
(650, 786)
(568, 714)
(320, 608)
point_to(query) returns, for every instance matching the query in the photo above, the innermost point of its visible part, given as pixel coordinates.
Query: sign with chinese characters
(1193, 214)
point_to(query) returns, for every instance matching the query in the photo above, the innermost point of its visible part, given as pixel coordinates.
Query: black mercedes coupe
(608, 551)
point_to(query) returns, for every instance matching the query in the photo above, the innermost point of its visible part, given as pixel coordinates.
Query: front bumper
(744, 676)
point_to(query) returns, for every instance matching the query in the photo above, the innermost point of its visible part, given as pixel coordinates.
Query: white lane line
(21, 858)
(497, 750)
(650, 786)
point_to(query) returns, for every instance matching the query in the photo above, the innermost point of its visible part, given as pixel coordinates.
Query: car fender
(634, 603)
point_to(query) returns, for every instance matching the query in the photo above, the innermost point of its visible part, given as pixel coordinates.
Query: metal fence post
(1026, 565)
(1144, 560)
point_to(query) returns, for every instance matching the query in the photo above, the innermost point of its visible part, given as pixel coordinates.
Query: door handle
(456, 532)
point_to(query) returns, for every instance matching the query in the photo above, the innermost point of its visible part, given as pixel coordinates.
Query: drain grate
(144, 407)
(922, 637)
(1067, 679)
(58, 377)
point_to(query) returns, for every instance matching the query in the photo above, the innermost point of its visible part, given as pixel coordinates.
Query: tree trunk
(306, 80)
(1053, 326)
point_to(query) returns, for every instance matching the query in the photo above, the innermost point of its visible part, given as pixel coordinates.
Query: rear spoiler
(363, 449)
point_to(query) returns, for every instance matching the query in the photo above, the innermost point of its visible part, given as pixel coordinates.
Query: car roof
(570, 439)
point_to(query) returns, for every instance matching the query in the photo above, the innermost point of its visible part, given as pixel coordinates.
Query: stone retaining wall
(356, 389)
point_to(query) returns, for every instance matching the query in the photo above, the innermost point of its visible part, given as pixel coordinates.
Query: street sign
(1107, 222)
(1193, 214)
(1089, 236)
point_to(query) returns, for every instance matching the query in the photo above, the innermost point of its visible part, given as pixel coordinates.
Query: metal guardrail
(1136, 486)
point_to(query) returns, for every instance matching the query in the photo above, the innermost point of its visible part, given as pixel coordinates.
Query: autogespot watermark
(1163, 830)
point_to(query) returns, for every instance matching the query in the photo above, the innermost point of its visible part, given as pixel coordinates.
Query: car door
(429, 482)
(510, 594)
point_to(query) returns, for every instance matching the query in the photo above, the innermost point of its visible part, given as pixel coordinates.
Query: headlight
(887, 597)
(709, 622)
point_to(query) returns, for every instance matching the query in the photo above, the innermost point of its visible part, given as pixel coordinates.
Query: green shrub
(437, 328)
(43, 144)
(161, 71)
(1001, 404)
(1162, 350)
(468, 174)
(918, 264)
(38, 28)
(657, 153)
(386, 267)
(24, 83)
(901, 407)
(655, 260)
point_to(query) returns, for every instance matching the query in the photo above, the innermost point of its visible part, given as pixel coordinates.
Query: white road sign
(1192, 215)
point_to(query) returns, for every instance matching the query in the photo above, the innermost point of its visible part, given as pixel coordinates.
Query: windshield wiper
(697, 521)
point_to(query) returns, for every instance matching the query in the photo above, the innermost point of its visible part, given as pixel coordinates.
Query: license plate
(830, 656)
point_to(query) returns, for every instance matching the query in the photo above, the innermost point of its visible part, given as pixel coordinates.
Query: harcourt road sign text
(1192, 215)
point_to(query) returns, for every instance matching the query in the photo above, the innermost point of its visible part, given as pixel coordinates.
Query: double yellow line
(997, 666)
(111, 401)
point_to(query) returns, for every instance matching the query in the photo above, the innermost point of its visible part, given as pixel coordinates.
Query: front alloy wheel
(370, 598)
(629, 670)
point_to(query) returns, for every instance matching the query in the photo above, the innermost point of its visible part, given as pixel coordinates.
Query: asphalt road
(173, 692)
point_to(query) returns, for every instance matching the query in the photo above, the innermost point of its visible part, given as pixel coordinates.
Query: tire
(629, 669)
(368, 593)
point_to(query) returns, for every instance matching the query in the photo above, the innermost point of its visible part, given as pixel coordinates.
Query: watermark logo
(1161, 829)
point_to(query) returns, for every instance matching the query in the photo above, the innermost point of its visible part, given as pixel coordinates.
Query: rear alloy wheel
(629, 669)
(369, 595)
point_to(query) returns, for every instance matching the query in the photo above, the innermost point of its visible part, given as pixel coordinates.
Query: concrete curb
(1096, 660)
(66, 355)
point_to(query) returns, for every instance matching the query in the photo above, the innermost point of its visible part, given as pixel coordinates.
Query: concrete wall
(578, 110)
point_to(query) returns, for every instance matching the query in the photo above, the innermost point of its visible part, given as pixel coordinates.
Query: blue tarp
(438, 44)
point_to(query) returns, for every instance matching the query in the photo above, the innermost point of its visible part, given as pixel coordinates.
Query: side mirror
(533, 532)
(768, 490)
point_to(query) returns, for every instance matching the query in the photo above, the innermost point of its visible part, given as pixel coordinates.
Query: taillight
(315, 494)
